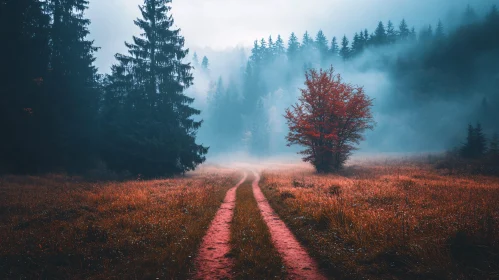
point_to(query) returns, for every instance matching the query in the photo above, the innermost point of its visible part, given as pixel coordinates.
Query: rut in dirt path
(298, 263)
(212, 261)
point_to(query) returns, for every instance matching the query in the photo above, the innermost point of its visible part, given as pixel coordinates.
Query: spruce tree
(356, 45)
(345, 49)
(366, 38)
(391, 34)
(293, 47)
(279, 46)
(205, 64)
(439, 32)
(404, 31)
(264, 51)
(72, 88)
(335, 50)
(307, 43)
(380, 36)
(322, 45)
(157, 134)
(271, 48)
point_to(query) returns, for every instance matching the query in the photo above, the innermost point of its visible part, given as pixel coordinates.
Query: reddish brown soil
(298, 263)
(213, 261)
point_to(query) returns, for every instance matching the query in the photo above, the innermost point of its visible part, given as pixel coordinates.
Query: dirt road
(212, 261)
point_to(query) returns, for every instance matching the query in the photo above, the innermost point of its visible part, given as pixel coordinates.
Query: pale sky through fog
(221, 24)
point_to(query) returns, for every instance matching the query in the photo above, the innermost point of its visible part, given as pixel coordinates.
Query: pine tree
(264, 51)
(157, 134)
(366, 38)
(271, 48)
(380, 36)
(391, 35)
(293, 47)
(307, 43)
(345, 49)
(255, 57)
(279, 46)
(468, 147)
(356, 45)
(439, 32)
(72, 88)
(321, 45)
(404, 31)
(205, 64)
(335, 50)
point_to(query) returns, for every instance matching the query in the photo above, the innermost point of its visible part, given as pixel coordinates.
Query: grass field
(391, 220)
(376, 219)
(60, 227)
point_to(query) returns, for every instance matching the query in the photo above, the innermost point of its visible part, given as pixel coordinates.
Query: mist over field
(423, 101)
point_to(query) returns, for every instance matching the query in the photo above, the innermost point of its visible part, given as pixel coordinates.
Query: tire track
(212, 261)
(299, 264)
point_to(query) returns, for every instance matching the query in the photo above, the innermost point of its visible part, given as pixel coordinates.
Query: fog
(414, 111)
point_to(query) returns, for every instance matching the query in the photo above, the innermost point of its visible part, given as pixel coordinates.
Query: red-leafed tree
(329, 119)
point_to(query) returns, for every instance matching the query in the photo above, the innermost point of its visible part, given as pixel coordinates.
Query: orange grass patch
(58, 227)
(387, 221)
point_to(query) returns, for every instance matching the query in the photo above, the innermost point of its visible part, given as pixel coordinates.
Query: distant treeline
(429, 64)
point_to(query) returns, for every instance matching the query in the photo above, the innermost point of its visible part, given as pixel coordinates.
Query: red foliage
(328, 119)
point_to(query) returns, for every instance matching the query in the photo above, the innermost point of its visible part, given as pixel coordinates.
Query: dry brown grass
(58, 227)
(392, 221)
(254, 254)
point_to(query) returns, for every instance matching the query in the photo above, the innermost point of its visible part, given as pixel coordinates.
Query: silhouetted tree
(335, 50)
(328, 120)
(322, 45)
(380, 36)
(391, 34)
(293, 47)
(345, 49)
(205, 64)
(404, 31)
(152, 133)
(279, 46)
(439, 32)
(356, 45)
(476, 143)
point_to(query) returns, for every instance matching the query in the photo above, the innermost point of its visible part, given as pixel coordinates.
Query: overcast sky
(220, 24)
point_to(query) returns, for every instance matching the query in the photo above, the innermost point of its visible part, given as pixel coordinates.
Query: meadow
(64, 227)
(379, 218)
(391, 219)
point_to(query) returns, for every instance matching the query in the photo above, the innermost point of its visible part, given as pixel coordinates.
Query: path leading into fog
(212, 261)
(298, 263)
